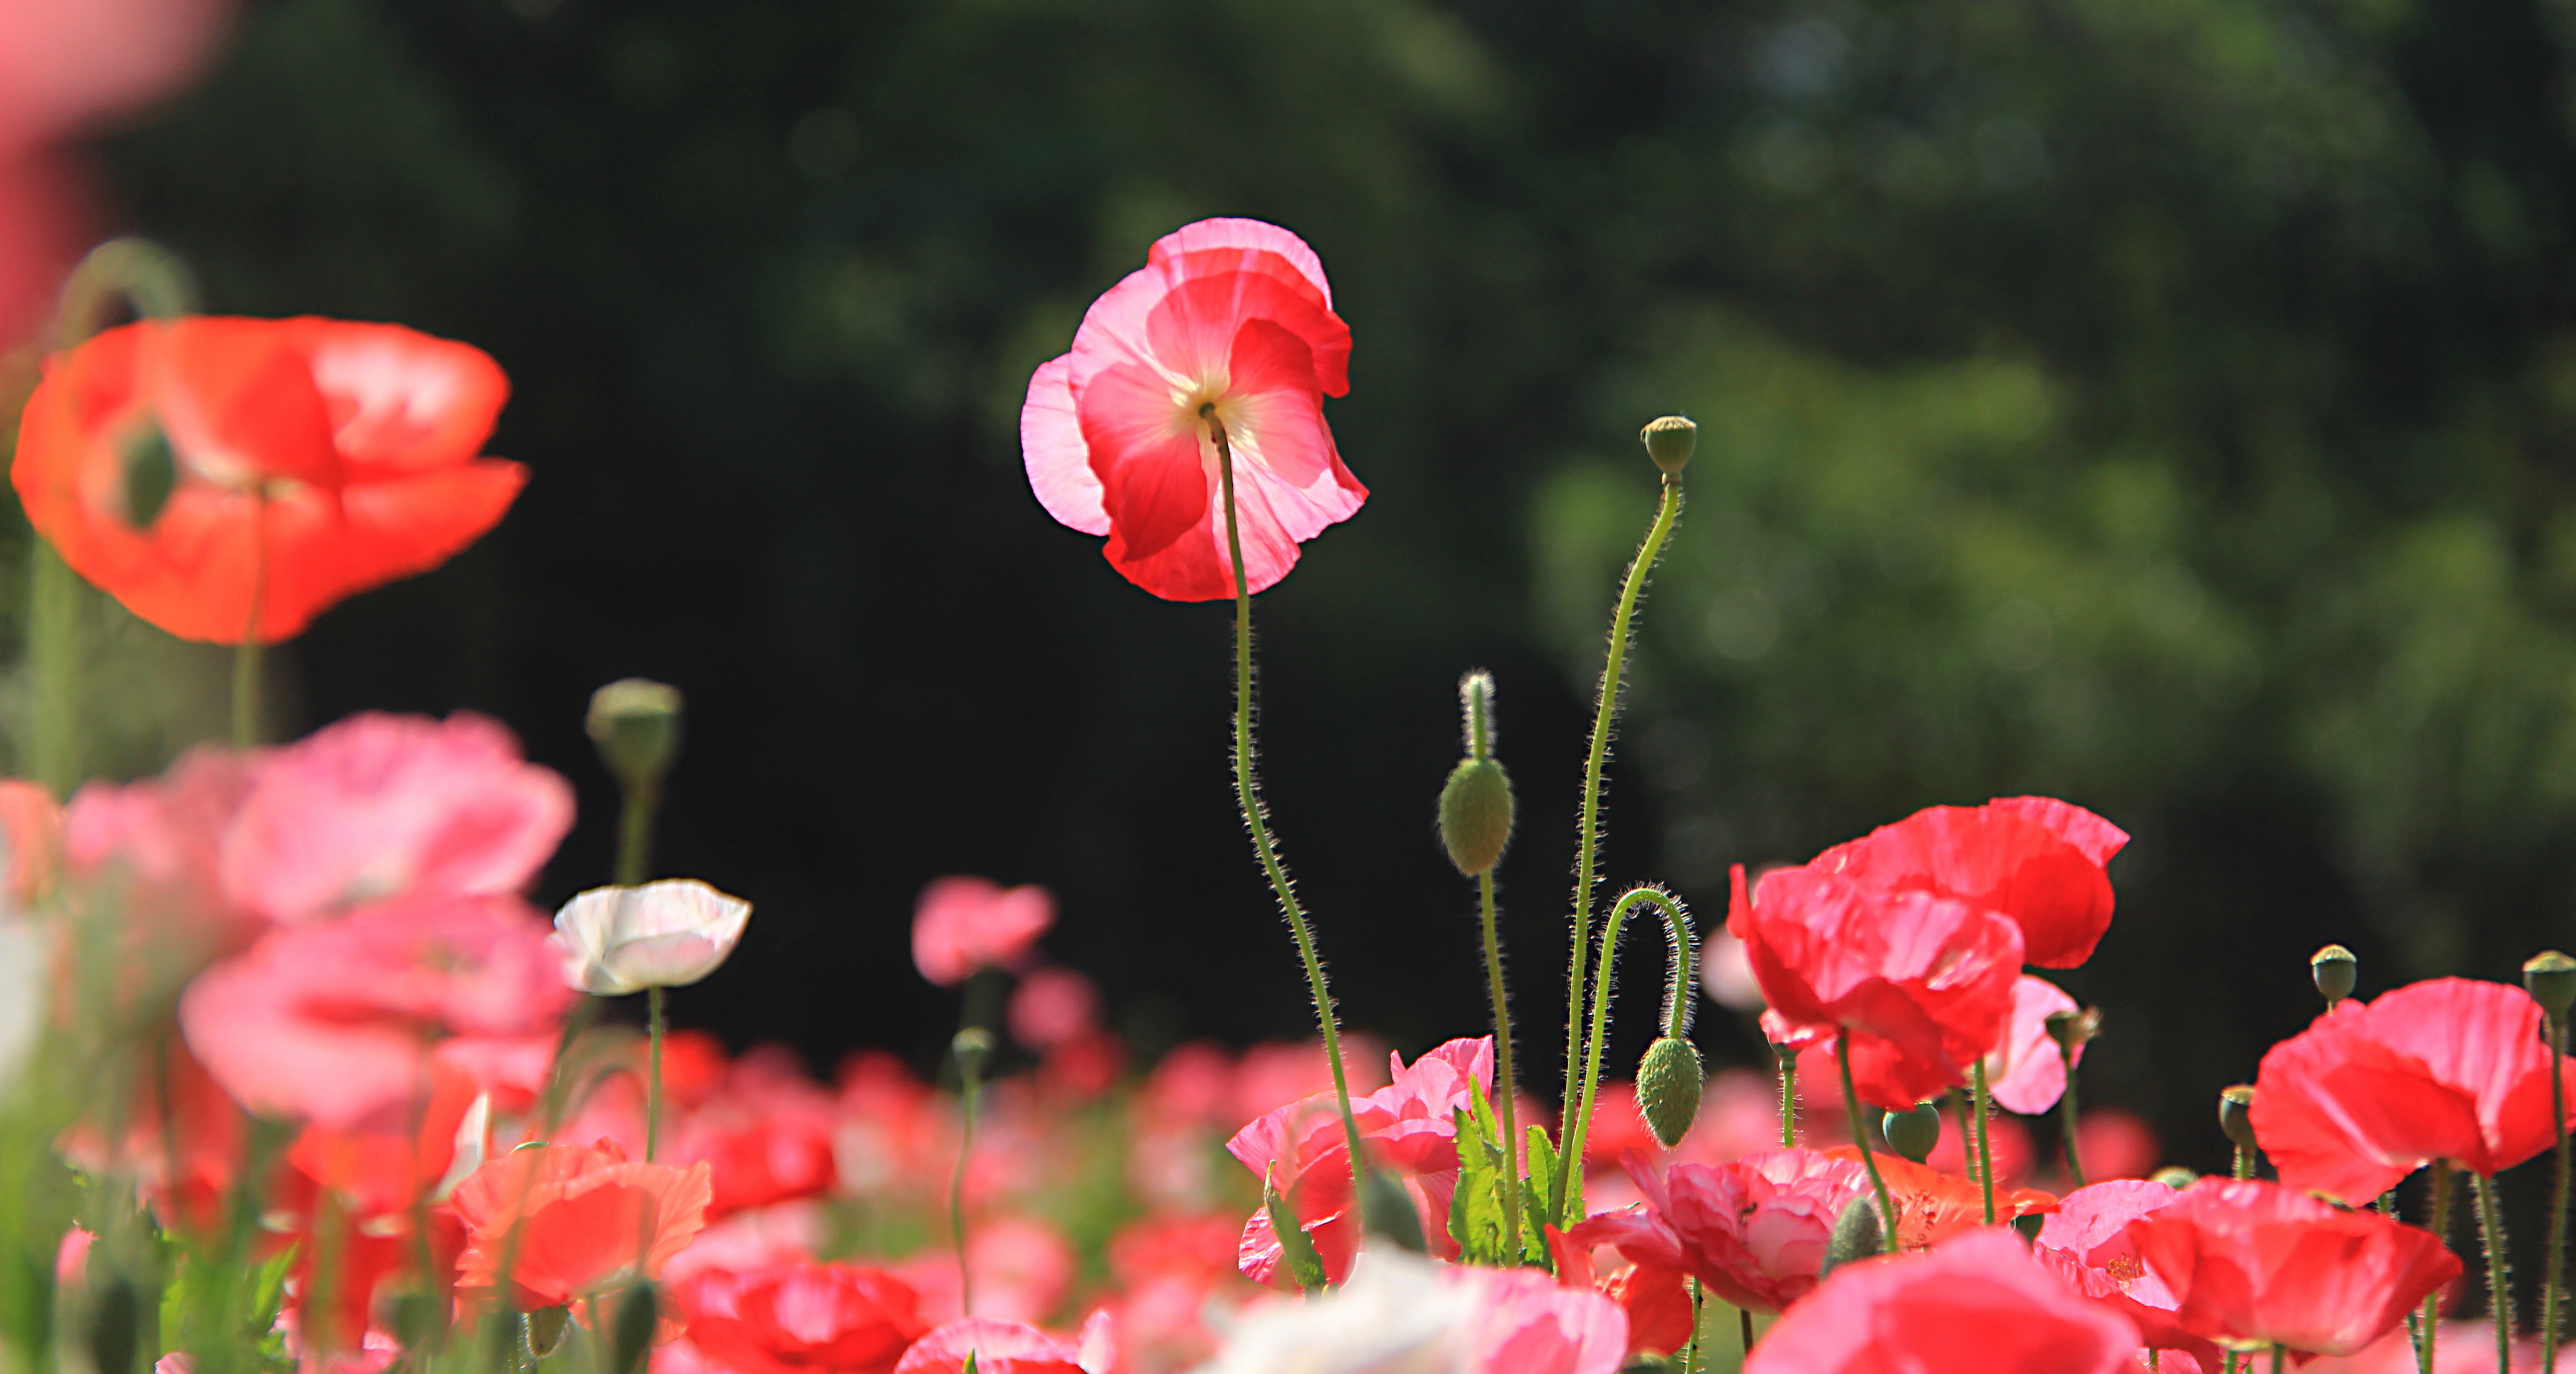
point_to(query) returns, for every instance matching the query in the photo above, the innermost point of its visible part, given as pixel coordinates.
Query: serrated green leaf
(1476, 1208)
(1542, 1181)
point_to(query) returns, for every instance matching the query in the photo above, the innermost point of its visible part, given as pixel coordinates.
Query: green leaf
(1476, 1209)
(1296, 1248)
(1542, 1181)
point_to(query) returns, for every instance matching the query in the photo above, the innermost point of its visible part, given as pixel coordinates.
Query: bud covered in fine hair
(1476, 803)
(2236, 1114)
(2550, 977)
(636, 725)
(1857, 1234)
(1913, 1134)
(1669, 1084)
(1669, 441)
(2336, 971)
(1387, 1210)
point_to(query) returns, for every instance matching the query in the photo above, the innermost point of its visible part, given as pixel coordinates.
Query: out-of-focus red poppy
(195, 468)
(2256, 1262)
(2037, 860)
(767, 1134)
(1229, 318)
(1923, 982)
(963, 925)
(1754, 1231)
(569, 1221)
(1975, 1305)
(2088, 1244)
(801, 1319)
(2449, 1069)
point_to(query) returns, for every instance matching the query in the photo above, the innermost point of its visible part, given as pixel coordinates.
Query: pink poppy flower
(1754, 1231)
(2025, 1072)
(2088, 1244)
(327, 1022)
(962, 925)
(2256, 1262)
(1975, 1305)
(1004, 1347)
(1023, 1269)
(1527, 1323)
(1229, 318)
(1051, 1006)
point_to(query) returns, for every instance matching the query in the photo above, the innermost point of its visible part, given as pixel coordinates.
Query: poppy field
(294, 1076)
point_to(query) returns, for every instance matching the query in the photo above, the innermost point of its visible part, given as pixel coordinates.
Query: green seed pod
(2073, 1030)
(2236, 1114)
(547, 1327)
(2336, 971)
(2551, 978)
(2174, 1176)
(1669, 1083)
(636, 725)
(1387, 1210)
(1913, 1134)
(1669, 441)
(1476, 815)
(1856, 1235)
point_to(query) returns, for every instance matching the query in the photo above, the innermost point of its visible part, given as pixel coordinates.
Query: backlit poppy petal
(1052, 449)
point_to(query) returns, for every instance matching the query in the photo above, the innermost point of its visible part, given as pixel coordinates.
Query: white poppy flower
(667, 934)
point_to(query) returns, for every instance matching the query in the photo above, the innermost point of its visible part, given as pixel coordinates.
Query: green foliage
(1542, 1183)
(1296, 1249)
(1476, 1208)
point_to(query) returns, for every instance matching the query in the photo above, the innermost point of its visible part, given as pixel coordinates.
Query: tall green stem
(2066, 1120)
(1788, 1057)
(1604, 711)
(653, 1080)
(1689, 1363)
(1503, 1080)
(635, 836)
(1985, 1149)
(970, 1074)
(53, 666)
(246, 679)
(2431, 1318)
(2499, 1273)
(1677, 1008)
(1860, 1137)
(1248, 796)
(2551, 1294)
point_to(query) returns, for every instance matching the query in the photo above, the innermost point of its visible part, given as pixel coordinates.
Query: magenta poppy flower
(1229, 319)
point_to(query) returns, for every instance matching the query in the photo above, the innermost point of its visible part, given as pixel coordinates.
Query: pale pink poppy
(1023, 1269)
(1527, 1323)
(333, 1023)
(382, 806)
(1003, 1347)
(667, 934)
(1230, 319)
(963, 925)
(1051, 1006)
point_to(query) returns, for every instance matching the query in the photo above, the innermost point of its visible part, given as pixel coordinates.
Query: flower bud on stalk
(2550, 977)
(1669, 441)
(1476, 815)
(1669, 1083)
(1856, 1235)
(2336, 971)
(636, 725)
(2236, 1117)
(1913, 1134)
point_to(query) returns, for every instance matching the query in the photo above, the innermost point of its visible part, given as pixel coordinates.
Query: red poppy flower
(2448, 1069)
(1976, 1305)
(569, 1221)
(2035, 859)
(2258, 1263)
(1923, 982)
(1229, 318)
(307, 459)
(801, 1319)
(1753, 1230)
(2088, 1243)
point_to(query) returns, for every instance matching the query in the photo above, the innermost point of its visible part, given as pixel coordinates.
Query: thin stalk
(2277, 1353)
(2499, 1272)
(2551, 1292)
(1248, 797)
(971, 1080)
(635, 836)
(53, 667)
(2244, 1162)
(653, 1080)
(1985, 1150)
(2066, 1120)
(1604, 711)
(1677, 1009)
(1860, 1137)
(1788, 1096)
(1503, 1080)
(2431, 1317)
(1690, 1347)
(1744, 1320)
(246, 654)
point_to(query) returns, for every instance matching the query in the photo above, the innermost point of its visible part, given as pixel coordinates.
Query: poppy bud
(1387, 1210)
(2236, 1114)
(2174, 1176)
(151, 470)
(2550, 977)
(1476, 815)
(637, 1317)
(2073, 1030)
(1669, 441)
(1856, 1235)
(636, 725)
(1913, 1134)
(2335, 970)
(547, 1327)
(1669, 1083)
(970, 1049)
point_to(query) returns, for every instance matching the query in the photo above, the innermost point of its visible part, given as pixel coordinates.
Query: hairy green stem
(2551, 1293)
(1788, 1058)
(2431, 1317)
(2499, 1273)
(971, 1090)
(1604, 711)
(1248, 796)
(1985, 1150)
(1690, 1346)
(1860, 1137)
(1503, 1080)
(1676, 1018)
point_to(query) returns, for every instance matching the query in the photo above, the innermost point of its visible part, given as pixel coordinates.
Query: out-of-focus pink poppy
(1229, 319)
(327, 1023)
(1023, 1269)
(767, 1134)
(31, 828)
(1975, 1305)
(1053, 1005)
(1272, 1075)
(564, 1221)
(800, 1319)
(998, 1347)
(962, 925)
(1526, 1323)
(2116, 1144)
(2458, 1348)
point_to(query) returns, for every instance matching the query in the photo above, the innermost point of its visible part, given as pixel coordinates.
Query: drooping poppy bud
(1669, 1083)
(635, 723)
(1669, 441)
(2550, 978)
(1914, 1134)
(2335, 970)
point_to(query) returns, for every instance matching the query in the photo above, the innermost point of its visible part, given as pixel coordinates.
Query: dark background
(2164, 404)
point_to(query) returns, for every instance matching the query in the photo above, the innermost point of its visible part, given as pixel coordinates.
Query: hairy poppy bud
(2550, 977)
(2073, 1030)
(547, 1327)
(2335, 970)
(1669, 441)
(1669, 1083)
(1857, 1234)
(2236, 1114)
(636, 725)
(1387, 1210)
(2174, 1176)
(1913, 1134)
(1476, 815)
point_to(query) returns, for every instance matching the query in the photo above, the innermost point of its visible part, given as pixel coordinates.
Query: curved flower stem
(1788, 1058)
(1604, 711)
(2066, 1119)
(2499, 1273)
(2432, 1314)
(2277, 1353)
(653, 1079)
(1503, 1080)
(2551, 1294)
(1985, 1150)
(1248, 796)
(1860, 1137)
(1677, 1010)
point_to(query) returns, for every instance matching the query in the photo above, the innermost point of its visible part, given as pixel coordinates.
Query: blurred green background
(2164, 404)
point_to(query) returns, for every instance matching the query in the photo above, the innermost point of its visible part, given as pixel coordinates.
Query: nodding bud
(1476, 815)
(2174, 1176)
(1856, 1235)
(1669, 441)
(1387, 1210)
(636, 725)
(2336, 971)
(1669, 1084)
(2551, 979)
(2073, 1030)
(2236, 1114)
(1913, 1134)
(970, 1049)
